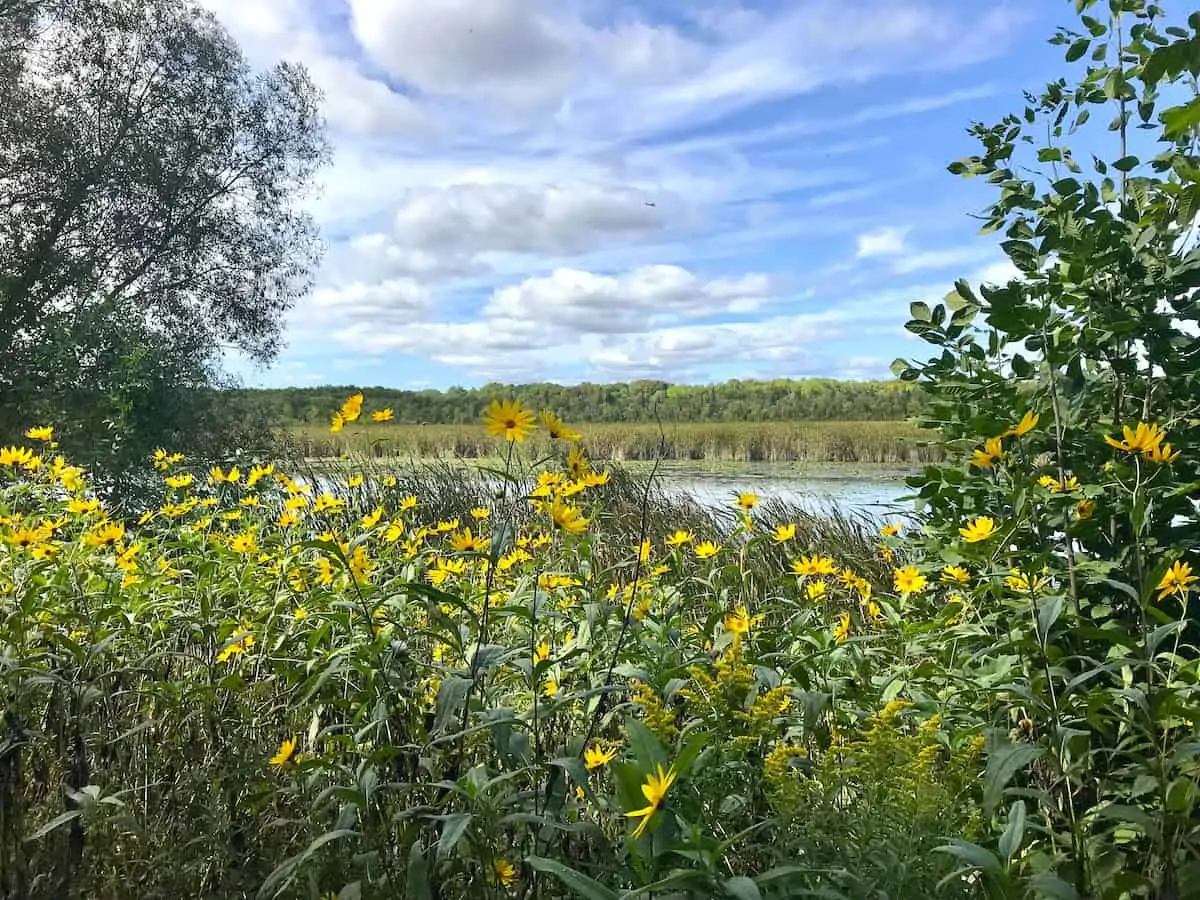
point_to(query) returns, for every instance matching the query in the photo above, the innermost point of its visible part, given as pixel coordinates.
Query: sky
(607, 190)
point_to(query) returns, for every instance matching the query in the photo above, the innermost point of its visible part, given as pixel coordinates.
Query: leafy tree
(149, 216)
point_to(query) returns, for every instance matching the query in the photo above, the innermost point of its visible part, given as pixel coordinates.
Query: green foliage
(782, 400)
(303, 687)
(1079, 654)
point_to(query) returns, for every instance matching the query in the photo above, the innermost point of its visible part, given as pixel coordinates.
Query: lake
(852, 489)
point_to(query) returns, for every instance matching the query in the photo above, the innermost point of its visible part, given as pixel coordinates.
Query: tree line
(778, 400)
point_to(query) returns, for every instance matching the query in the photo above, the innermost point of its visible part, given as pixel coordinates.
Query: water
(875, 493)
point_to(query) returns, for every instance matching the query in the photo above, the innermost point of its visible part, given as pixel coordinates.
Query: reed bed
(898, 443)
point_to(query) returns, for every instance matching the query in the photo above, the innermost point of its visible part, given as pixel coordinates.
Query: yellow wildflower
(706, 550)
(655, 791)
(992, 453)
(1143, 439)
(908, 580)
(383, 415)
(1177, 581)
(284, 754)
(510, 420)
(842, 630)
(978, 529)
(784, 533)
(599, 754)
(40, 433)
(556, 429)
(955, 575)
(1028, 423)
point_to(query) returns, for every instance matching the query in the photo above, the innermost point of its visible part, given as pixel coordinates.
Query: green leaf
(580, 884)
(417, 879)
(454, 826)
(1049, 609)
(921, 311)
(450, 697)
(1046, 885)
(1126, 164)
(742, 888)
(1078, 49)
(57, 822)
(1014, 832)
(1004, 760)
(352, 891)
(973, 855)
(645, 745)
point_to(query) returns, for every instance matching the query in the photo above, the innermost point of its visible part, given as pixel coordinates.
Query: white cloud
(521, 186)
(514, 218)
(887, 241)
(637, 301)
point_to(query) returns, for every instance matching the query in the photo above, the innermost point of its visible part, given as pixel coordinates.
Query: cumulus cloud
(882, 242)
(515, 218)
(527, 187)
(645, 298)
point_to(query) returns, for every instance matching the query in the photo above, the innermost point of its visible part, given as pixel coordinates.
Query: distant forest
(639, 401)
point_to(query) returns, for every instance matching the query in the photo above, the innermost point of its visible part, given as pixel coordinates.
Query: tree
(149, 207)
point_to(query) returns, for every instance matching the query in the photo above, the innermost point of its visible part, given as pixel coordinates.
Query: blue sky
(598, 190)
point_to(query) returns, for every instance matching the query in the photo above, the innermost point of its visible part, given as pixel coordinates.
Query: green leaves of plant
(1004, 760)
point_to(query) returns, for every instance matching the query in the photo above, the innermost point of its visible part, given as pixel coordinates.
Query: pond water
(874, 492)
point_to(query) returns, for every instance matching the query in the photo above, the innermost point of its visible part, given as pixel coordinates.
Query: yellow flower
(644, 550)
(40, 433)
(955, 575)
(352, 408)
(371, 519)
(106, 534)
(479, 513)
(978, 529)
(556, 429)
(815, 590)
(354, 481)
(567, 517)
(1176, 580)
(217, 476)
(244, 543)
(15, 456)
(814, 565)
(655, 791)
(360, 564)
(180, 481)
(383, 415)
(891, 529)
(504, 872)
(706, 550)
(242, 642)
(336, 423)
(599, 754)
(842, 630)
(407, 503)
(992, 453)
(510, 420)
(299, 613)
(1026, 583)
(1085, 508)
(784, 533)
(1027, 424)
(541, 653)
(740, 621)
(908, 580)
(747, 501)
(284, 754)
(83, 507)
(1162, 454)
(551, 687)
(1050, 483)
(1143, 439)
(327, 502)
(680, 538)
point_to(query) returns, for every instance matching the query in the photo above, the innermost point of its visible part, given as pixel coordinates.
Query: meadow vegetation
(895, 443)
(548, 681)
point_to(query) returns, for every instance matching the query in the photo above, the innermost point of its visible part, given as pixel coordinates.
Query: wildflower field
(547, 680)
(267, 687)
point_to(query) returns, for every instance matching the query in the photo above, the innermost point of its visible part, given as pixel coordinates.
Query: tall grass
(450, 491)
(743, 442)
